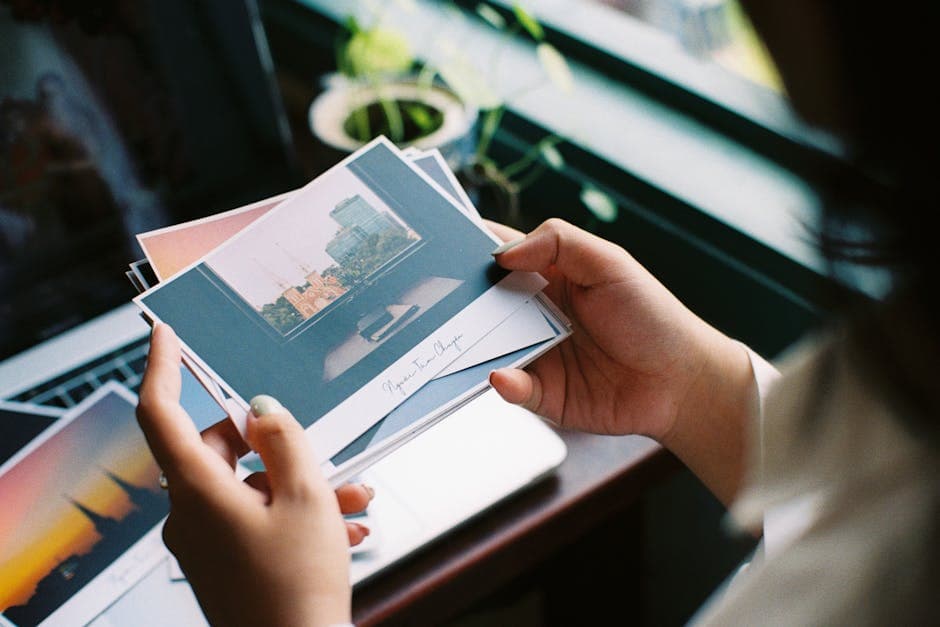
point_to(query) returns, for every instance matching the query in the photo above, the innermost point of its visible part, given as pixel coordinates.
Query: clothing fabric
(848, 500)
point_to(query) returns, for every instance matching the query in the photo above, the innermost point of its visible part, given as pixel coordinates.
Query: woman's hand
(638, 361)
(272, 550)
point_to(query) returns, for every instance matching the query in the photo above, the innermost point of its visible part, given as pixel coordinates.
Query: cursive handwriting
(441, 348)
(398, 387)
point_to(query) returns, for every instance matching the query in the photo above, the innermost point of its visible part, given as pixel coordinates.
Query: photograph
(74, 501)
(171, 249)
(426, 405)
(312, 256)
(526, 334)
(348, 279)
(20, 423)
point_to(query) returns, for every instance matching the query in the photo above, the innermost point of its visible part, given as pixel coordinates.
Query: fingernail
(369, 490)
(263, 405)
(365, 530)
(507, 246)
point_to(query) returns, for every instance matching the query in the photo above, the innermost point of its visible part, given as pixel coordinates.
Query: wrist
(331, 612)
(709, 429)
(317, 610)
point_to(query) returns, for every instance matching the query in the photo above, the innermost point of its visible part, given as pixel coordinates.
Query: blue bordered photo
(243, 309)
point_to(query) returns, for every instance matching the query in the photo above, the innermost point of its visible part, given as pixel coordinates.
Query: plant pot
(455, 137)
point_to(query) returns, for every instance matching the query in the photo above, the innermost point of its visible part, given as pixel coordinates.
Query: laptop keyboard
(124, 365)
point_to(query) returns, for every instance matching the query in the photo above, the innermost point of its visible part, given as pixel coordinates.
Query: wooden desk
(601, 477)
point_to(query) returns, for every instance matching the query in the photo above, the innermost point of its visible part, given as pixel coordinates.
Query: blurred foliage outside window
(712, 30)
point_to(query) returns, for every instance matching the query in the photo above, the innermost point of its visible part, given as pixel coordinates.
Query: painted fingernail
(369, 490)
(507, 246)
(365, 530)
(263, 405)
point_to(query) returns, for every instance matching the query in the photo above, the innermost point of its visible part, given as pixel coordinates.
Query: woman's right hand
(270, 550)
(638, 360)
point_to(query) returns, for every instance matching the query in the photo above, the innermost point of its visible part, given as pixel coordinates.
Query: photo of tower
(73, 506)
(366, 240)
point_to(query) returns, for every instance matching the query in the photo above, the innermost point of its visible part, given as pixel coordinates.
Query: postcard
(20, 423)
(172, 249)
(199, 403)
(421, 410)
(435, 165)
(81, 514)
(526, 327)
(135, 281)
(142, 277)
(199, 237)
(143, 271)
(345, 298)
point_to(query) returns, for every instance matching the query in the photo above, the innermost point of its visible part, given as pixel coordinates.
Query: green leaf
(491, 16)
(396, 126)
(600, 204)
(490, 123)
(528, 22)
(556, 67)
(420, 116)
(362, 127)
(551, 155)
(352, 24)
(378, 51)
(468, 83)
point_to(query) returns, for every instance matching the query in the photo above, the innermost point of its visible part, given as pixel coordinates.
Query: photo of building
(366, 240)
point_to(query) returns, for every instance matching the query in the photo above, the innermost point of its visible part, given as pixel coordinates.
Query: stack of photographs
(367, 302)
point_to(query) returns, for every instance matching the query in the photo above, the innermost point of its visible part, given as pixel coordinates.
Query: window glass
(715, 30)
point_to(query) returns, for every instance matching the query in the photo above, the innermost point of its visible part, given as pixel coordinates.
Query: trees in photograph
(377, 250)
(373, 252)
(281, 315)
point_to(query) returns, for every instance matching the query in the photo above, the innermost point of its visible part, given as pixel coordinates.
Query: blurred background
(661, 125)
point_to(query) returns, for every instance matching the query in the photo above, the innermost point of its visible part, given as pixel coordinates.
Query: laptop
(151, 114)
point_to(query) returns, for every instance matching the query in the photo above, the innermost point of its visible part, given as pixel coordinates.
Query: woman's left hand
(271, 550)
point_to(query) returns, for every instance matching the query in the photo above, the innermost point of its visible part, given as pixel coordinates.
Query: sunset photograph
(72, 504)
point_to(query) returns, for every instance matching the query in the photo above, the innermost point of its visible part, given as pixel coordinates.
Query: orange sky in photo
(39, 528)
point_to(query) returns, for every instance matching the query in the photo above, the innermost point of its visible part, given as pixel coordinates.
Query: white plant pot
(456, 138)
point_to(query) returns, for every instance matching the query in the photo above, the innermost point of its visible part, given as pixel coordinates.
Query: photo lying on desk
(321, 294)
(75, 501)
(20, 423)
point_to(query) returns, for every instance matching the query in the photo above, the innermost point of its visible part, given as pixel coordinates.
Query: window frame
(633, 52)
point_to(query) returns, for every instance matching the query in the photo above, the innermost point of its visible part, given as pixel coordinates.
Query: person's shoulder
(849, 498)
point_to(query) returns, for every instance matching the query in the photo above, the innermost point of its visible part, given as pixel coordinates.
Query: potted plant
(381, 89)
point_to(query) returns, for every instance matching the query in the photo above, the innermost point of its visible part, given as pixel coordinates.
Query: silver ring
(164, 484)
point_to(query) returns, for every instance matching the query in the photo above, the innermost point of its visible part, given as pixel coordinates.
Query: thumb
(583, 258)
(279, 439)
(518, 387)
